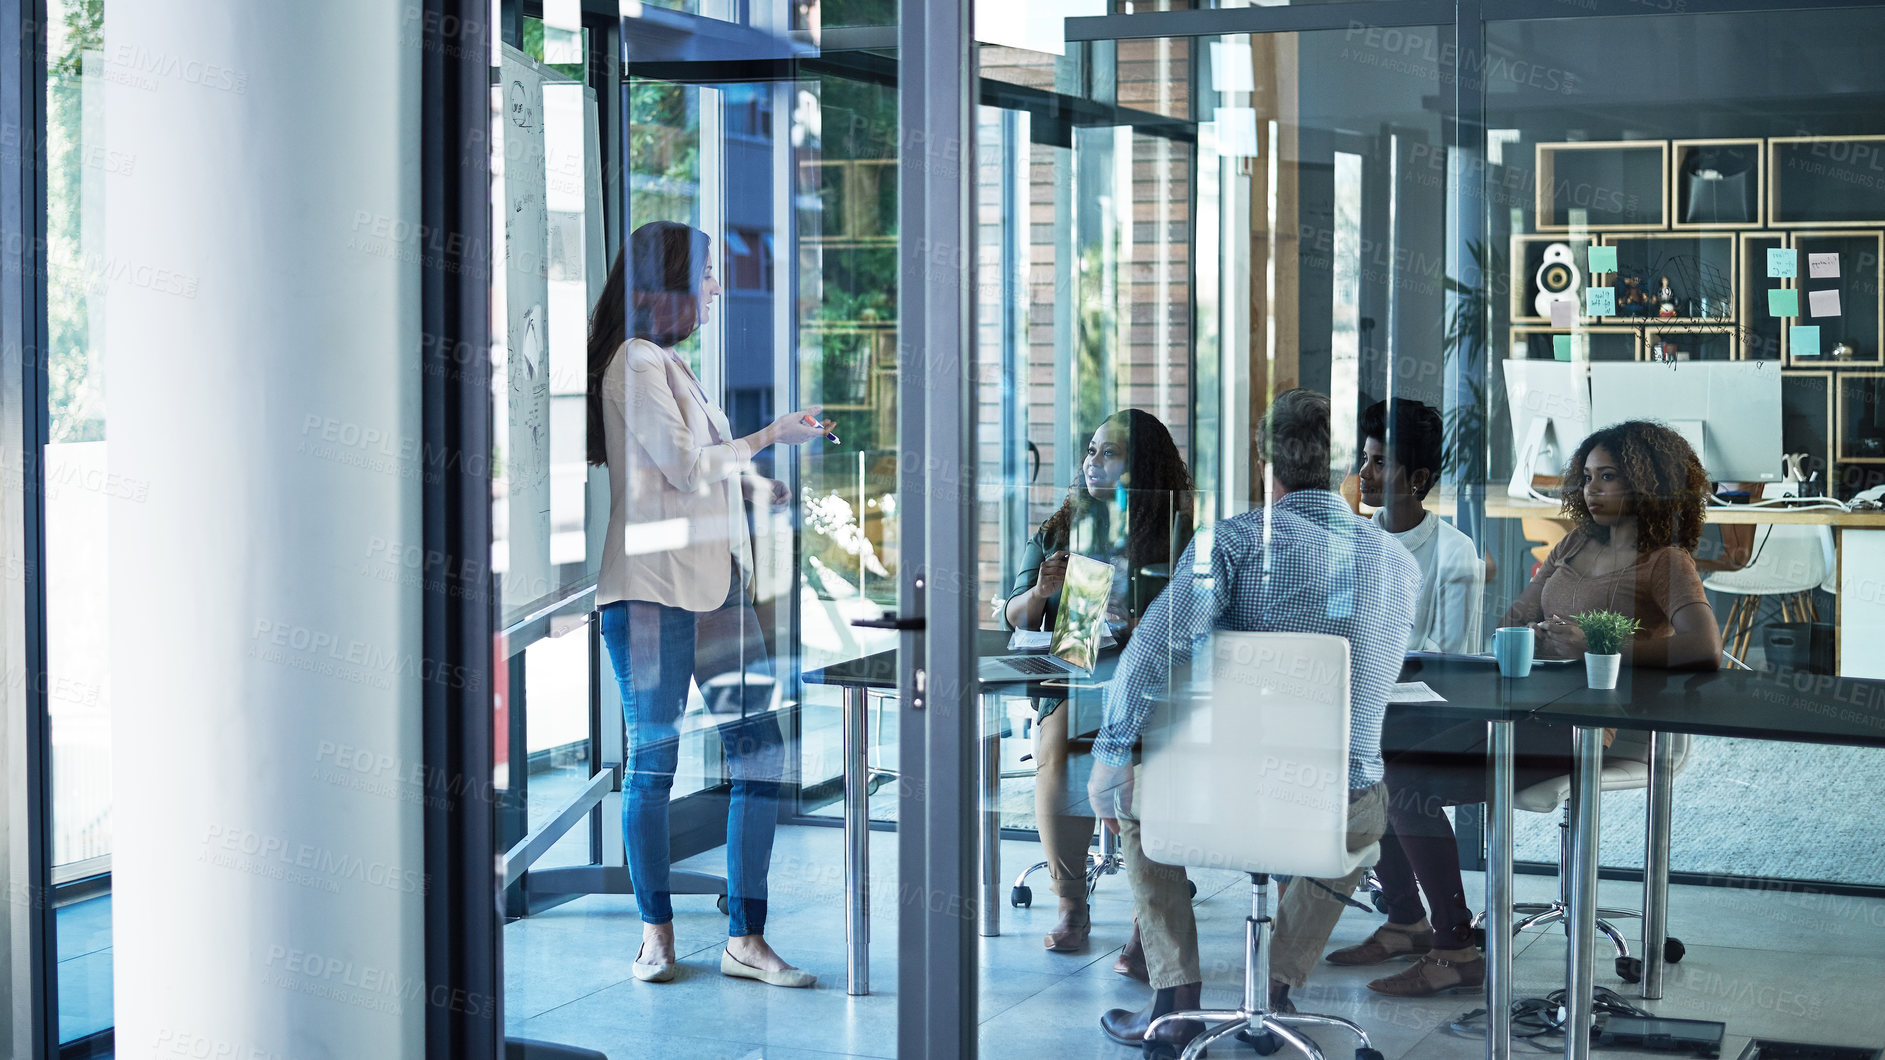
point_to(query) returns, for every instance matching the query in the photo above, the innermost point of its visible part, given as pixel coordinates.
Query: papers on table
(1414, 692)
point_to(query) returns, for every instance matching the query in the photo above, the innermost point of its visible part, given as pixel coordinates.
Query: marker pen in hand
(829, 436)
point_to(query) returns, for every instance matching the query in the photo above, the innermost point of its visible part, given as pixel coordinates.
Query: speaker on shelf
(1557, 279)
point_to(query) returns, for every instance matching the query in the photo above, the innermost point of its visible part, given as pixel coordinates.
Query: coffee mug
(1513, 646)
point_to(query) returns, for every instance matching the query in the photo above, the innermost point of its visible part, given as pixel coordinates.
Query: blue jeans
(657, 651)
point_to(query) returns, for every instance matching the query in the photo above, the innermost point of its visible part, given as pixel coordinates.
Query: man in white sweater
(1401, 457)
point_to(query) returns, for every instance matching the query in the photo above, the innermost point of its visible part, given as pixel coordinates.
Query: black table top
(1753, 704)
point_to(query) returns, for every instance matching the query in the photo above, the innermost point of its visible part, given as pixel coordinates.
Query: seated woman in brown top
(1636, 492)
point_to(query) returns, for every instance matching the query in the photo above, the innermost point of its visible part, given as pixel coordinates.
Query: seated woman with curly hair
(1636, 493)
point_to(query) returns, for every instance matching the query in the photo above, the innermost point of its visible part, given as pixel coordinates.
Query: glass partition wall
(780, 157)
(1684, 197)
(1182, 227)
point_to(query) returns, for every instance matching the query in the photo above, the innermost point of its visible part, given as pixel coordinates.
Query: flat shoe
(652, 973)
(786, 977)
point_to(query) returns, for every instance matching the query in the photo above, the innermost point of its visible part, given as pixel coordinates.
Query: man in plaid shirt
(1303, 563)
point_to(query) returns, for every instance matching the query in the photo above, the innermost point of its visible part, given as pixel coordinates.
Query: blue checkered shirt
(1305, 564)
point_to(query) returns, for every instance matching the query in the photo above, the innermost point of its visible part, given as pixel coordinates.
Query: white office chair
(1247, 769)
(1626, 767)
(1789, 563)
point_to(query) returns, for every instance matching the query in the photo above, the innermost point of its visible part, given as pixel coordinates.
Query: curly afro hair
(1668, 486)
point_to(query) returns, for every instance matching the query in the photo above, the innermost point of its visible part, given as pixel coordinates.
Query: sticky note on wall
(1823, 303)
(1782, 263)
(1561, 347)
(1563, 313)
(1822, 266)
(1603, 259)
(1783, 302)
(1601, 301)
(1804, 340)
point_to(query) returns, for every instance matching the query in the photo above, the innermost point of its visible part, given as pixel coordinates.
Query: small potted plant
(1604, 634)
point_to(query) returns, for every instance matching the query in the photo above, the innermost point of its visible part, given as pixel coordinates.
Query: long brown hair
(1668, 486)
(1158, 495)
(669, 261)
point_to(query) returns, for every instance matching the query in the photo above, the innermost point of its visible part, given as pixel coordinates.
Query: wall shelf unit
(1825, 181)
(1717, 184)
(1705, 213)
(1615, 185)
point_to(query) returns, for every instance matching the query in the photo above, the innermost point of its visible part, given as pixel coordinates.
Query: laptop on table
(1078, 629)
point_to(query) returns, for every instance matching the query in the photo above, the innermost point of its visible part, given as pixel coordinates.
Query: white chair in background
(1246, 768)
(1789, 562)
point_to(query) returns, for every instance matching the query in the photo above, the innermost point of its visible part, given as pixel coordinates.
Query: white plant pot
(1600, 671)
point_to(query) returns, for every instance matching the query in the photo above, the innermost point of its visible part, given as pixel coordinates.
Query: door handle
(907, 625)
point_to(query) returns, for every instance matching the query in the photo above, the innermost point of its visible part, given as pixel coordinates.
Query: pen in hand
(830, 436)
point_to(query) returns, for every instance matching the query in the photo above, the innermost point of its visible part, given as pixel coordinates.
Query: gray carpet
(1742, 807)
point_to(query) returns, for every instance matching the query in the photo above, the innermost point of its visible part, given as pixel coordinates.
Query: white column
(262, 298)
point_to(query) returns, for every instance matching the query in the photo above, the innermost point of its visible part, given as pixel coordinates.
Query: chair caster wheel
(1264, 1042)
(1365, 1053)
(1021, 897)
(1479, 937)
(1673, 950)
(1160, 1050)
(873, 785)
(725, 906)
(1379, 901)
(1630, 969)
(1191, 888)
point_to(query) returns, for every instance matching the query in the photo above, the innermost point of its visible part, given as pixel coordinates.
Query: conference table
(1763, 705)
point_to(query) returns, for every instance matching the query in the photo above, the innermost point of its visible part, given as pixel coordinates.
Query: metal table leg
(1580, 979)
(990, 820)
(857, 839)
(1656, 861)
(1499, 894)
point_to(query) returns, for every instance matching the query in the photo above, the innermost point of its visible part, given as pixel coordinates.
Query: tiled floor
(1767, 964)
(84, 940)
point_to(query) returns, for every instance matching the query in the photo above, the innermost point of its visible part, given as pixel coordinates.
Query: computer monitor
(1732, 408)
(1550, 406)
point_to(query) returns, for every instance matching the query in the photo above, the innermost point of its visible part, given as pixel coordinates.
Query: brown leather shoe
(1126, 1027)
(1131, 960)
(1385, 944)
(1070, 935)
(1434, 974)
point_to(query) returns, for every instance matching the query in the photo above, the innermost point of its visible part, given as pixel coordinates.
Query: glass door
(731, 179)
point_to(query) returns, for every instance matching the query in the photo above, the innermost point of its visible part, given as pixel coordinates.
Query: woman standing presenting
(674, 590)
